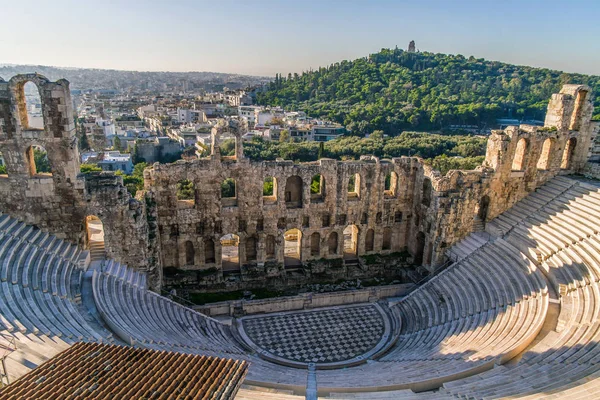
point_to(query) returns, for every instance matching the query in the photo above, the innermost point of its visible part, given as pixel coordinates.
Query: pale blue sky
(264, 37)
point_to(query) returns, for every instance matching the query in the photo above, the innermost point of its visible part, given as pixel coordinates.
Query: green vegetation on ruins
(443, 152)
(395, 90)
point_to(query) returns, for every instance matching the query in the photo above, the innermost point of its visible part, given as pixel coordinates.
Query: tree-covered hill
(395, 90)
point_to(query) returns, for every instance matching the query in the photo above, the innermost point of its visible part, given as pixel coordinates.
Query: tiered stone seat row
(36, 271)
(140, 316)
(529, 206)
(565, 363)
(481, 311)
(40, 306)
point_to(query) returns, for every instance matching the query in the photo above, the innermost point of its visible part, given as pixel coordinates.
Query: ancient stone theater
(497, 269)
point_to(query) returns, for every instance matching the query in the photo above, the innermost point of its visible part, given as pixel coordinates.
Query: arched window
(426, 200)
(230, 259)
(270, 189)
(190, 253)
(370, 240)
(317, 188)
(39, 164)
(209, 251)
(229, 193)
(391, 184)
(186, 191)
(544, 160)
(568, 153)
(293, 192)
(270, 247)
(30, 106)
(520, 153)
(332, 243)
(315, 244)
(350, 241)
(387, 239)
(354, 186)
(292, 247)
(577, 111)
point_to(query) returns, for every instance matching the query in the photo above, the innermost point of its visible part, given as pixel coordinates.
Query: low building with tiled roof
(100, 371)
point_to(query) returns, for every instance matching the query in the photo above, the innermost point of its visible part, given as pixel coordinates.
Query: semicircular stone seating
(516, 314)
(40, 301)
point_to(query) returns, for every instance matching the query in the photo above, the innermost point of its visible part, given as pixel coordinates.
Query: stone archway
(292, 249)
(350, 242)
(94, 237)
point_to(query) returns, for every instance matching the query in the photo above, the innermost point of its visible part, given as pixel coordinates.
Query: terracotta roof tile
(100, 371)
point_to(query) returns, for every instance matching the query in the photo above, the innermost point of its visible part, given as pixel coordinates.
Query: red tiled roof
(99, 371)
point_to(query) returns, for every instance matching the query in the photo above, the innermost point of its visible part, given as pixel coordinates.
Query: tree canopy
(420, 144)
(394, 90)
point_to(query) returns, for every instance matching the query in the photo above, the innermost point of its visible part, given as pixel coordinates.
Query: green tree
(321, 150)
(2, 169)
(185, 190)
(87, 168)
(394, 90)
(40, 157)
(117, 143)
(315, 184)
(84, 144)
(284, 136)
(268, 186)
(228, 188)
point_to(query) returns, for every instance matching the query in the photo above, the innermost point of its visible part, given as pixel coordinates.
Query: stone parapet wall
(303, 301)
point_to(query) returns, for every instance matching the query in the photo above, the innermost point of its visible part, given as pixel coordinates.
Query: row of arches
(294, 188)
(329, 246)
(548, 147)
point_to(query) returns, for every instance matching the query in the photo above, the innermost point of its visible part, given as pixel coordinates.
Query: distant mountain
(88, 78)
(395, 90)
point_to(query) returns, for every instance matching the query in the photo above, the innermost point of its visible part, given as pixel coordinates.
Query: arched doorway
(209, 251)
(418, 258)
(520, 153)
(387, 239)
(332, 243)
(190, 253)
(230, 259)
(292, 248)
(315, 244)
(370, 240)
(350, 242)
(251, 251)
(484, 205)
(545, 155)
(94, 237)
(568, 154)
(270, 247)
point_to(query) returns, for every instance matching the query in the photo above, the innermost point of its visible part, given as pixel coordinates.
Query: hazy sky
(264, 37)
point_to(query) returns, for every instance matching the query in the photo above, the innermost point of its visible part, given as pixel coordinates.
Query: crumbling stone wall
(420, 211)
(60, 201)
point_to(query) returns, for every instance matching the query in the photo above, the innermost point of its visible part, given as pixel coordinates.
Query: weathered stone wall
(60, 201)
(421, 211)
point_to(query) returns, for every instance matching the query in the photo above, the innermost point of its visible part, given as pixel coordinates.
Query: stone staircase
(478, 225)
(97, 251)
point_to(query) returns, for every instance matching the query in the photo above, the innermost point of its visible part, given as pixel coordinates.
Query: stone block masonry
(213, 217)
